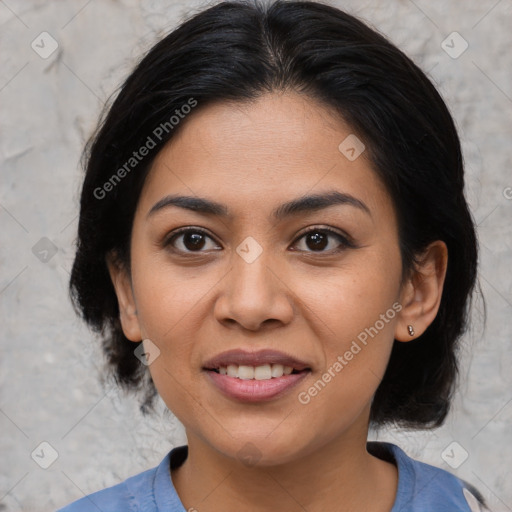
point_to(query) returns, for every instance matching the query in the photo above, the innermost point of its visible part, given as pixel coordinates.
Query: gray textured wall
(49, 387)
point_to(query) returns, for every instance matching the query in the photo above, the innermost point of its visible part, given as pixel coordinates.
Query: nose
(254, 295)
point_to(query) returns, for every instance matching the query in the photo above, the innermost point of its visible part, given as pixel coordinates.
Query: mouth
(255, 376)
(261, 372)
(260, 365)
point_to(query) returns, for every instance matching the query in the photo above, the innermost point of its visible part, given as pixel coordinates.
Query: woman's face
(251, 280)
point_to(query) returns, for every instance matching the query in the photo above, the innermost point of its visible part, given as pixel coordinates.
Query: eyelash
(345, 241)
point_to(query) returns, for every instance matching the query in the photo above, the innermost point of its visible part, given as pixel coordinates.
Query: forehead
(256, 154)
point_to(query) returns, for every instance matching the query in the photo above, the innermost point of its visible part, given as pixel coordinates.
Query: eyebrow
(303, 204)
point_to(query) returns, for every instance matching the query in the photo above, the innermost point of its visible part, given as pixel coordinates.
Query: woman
(274, 237)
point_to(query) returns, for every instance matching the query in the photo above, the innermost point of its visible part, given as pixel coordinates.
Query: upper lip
(258, 358)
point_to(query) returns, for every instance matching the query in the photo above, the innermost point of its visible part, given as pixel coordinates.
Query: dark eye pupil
(193, 241)
(319, 240)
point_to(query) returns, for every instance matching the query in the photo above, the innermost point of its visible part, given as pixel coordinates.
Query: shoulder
(132, 495)
(423, 488)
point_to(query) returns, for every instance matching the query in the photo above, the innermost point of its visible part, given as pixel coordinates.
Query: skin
(308, 302)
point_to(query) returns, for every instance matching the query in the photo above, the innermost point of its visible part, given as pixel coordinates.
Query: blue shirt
(421, 487)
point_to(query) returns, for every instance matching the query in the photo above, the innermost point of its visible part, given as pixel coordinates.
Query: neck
(340, 475)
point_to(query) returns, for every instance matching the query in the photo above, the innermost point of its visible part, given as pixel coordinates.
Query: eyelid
(179, 231)
(327, 229)
(184, 229)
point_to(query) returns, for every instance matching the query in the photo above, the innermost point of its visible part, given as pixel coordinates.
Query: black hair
(240, 50)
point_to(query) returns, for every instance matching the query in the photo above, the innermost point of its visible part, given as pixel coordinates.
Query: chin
(257, 448)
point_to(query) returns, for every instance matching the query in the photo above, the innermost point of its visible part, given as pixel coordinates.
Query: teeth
(263, 372)
(277, 370)
(245, 372)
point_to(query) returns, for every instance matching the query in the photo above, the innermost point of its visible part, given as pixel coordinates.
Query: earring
(411, 330)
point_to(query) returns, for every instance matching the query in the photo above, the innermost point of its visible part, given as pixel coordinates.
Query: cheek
(169, 305)
(167, 296)
(356, 358)
(351, 297)
(355, 313)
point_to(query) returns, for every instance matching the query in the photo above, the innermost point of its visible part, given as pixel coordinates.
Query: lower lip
(252, 390)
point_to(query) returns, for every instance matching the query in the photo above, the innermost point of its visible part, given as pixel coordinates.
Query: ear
(421, 293)
(125, 297)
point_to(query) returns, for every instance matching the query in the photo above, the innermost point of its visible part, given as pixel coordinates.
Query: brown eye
(317, 240)
(190, 240)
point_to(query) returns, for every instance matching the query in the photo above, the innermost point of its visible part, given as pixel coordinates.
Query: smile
(263, 372)
(255, 376)
(252, 389)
